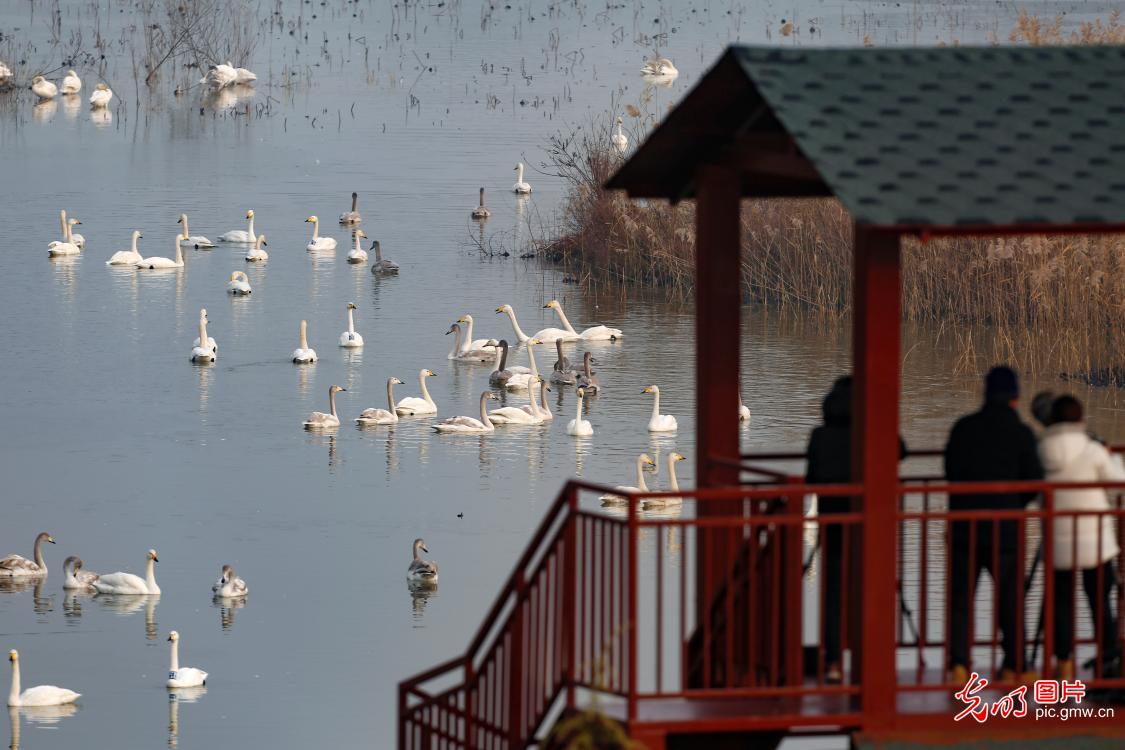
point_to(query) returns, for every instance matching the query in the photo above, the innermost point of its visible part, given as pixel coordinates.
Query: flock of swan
(76, 578)
(69, 86)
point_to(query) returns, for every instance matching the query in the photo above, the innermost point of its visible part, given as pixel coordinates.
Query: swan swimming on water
(382, 267)
(210, 341)
(412, 405)
(69, 235)
(16, 566)
(256, 254)
(241, 235)
(352, 217)
(71, 84)
(673, 486)
(389, 415)
(643, 460)
(199, 242)
(40, 695)
(349, 338)
(659, 422)
(521, 187)
(318, 243)
(562, 372)
(357, 254)
(594, 333)
(587, 379)
(229, 585)
(480, 212)
(743, 410)
(522, 377)
(205, 350)
(101, 96)
(69, 244)
(469, 424)
(220, 76)
(158, 262)
(320, 420)
(43, 88)
(421, 571)
(304, 354)
(77, 578)
(579, 427)
(128, 584)
(469, 345)
(127, 257)
(182, 677)
(547, 335)
(528, 414)
(239, 283)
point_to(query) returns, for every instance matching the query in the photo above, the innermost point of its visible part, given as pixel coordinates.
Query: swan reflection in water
(176, 696)
(39, 603)
(420, 594)
(226, 606)
(128, 605)
(44, 715)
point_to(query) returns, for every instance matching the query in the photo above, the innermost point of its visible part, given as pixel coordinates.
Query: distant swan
(529, 414)
(619, 139)
(382, 267)
(412, 405)
(230, 585)
(76, 577)
(595, 333)
(101, 96)
(547, 335)
(349, 339)
(205, 349)
(673, 486)
(421, 570)
(198, 241)
(256, 254)
(127, 584)
(659, 422)
(320, 420)
(318, 243)
(578, 426)
(16, 566)
(469, 424)
(480, 212)
(127, 257)
(520, 187)
(71, 84)
(43, 88)
(182, 677)
(40, 695)
(643, 460)
(357, 254)
(352, 217)
(375, 416)
(239, 283)
(659, 67)
(303, 354)
(158, 262)
(241, 235)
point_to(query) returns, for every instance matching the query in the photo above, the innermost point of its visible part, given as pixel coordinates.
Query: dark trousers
(1098, 595)
(1001, 563)
(832, 560)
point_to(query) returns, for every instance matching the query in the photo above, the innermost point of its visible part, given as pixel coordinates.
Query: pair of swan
(229, 585)
(610, 498)
(72, 243)
(40, 695)
(579, 427)
(77, 579)
(470, 424)
(256, 254)
(357, 254)
(374, 416)
(566, 333)
(352, 217)
(657, 502)
(349, 339)
(320, 420)
(241, 235)
(659, 422)
(204, 349)
(158, 262)
(382, 267)
(421, 571)
(130, 257)
(128, 584)
(619, 140)
(317, 243)
(480, 212)
(532, 413)
(17, 566)
(520, 188)
(199, 242)
(412, 406)
(101, 96)
(182, 677)
(304, 354)
(239, 283)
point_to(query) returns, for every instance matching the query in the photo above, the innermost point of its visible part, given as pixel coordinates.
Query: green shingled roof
(954, 137)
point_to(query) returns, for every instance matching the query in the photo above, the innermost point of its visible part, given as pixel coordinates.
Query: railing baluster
(659, 619)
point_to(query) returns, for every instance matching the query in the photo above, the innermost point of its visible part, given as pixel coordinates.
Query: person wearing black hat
(991, 444)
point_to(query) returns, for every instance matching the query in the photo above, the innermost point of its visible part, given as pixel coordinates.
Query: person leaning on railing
(991, 444)
(1090, 545)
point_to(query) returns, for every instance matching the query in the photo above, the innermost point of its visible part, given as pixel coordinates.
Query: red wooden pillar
(875, 457)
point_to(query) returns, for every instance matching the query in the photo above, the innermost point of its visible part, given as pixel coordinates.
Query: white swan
(349, 338)
(303, 354)
(182, 677)
(67, 246)
(205, 349)
(521, 187)
(382, 267)
(320, 420)
(199, 242)
(544, 410)
(357, 254)
(352, 217)
(127, 257)
(71, 84)
(659, 67)
(16, 566)
(547, 335)
(5, 73)
(128, 584)
(101, 96)
(40, 695)
(241, 235)
(619, 139)
(69, 235)
(256, 254)
(578, 426)
(501, 374)
(480, 212)
(77, 578)
(239, 283)
(373, 416)
(659, 422)
(318, 243)
(412, 405)
(595, 333)
(210, 341)
(673, 486)
(522, 377)
(43, 88)
(529, 414)
(229, 585)
(220, 76)
(158, 262)
(470, 345)
(244, 76)
(469, 424)
(643, 460)
(422, 571)
(743, 410)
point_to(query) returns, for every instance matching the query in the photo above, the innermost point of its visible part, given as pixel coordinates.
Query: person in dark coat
(830, 462)
(991, 444)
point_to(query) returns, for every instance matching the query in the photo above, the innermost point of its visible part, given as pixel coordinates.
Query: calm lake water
(115, 443)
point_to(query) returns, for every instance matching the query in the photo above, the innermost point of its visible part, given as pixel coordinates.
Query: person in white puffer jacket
(1086, 545)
